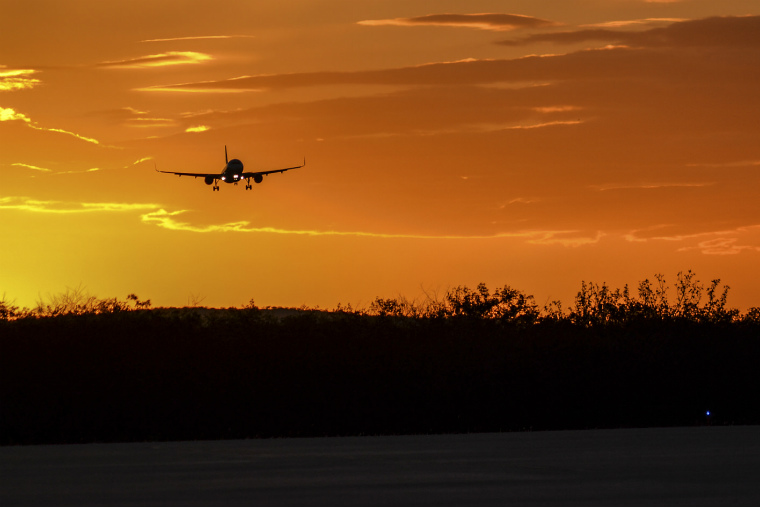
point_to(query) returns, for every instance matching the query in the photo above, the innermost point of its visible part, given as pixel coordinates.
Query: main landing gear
(215, 188)
(248, 185)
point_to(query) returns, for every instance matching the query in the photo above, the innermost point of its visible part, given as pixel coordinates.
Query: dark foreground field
(196, 374)
(693, 467)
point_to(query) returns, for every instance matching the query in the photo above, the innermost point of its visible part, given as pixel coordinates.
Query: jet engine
(258, 178)
(209, 180)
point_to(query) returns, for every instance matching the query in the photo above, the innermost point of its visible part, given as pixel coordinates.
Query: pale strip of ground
(704, 466)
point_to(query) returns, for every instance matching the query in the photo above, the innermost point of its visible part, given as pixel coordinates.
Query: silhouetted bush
(472, 361)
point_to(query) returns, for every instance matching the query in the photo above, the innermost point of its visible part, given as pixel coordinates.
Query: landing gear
(248, 184)
(215, 188)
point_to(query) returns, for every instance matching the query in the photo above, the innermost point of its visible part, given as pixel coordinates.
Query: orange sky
(529, 143)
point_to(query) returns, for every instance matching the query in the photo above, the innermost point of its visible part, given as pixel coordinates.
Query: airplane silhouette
(233, 173)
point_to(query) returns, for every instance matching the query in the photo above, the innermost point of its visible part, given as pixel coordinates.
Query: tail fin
(226, 161)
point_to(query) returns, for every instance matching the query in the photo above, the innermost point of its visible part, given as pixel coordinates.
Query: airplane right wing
(262, 173)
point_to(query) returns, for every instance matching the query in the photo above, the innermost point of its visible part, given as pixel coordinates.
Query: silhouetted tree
(8, 311)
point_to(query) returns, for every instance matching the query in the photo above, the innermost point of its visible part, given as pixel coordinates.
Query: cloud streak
(167, 220)
(638, 54)
(157, 215)
(17, 79)
(482, 21)
(201, 37)
(232, 85)
(159, 60)
(8, 114)
(32, 167)
(719, 242)
(649, 186)
(728, 31)
(61, 207)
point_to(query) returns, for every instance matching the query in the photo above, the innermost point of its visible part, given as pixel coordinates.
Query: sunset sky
(530, 143)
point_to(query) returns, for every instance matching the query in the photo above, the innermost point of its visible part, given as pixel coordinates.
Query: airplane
(233, 173)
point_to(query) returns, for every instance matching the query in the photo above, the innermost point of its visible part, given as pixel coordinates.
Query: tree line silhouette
(81, 369)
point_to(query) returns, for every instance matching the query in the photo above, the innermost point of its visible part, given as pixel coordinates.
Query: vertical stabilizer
(225, 155)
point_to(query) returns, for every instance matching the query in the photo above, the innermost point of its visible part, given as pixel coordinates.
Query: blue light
(708, 413)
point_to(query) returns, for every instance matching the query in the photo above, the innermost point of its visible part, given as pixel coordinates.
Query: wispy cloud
(139, 161)
(200, 37)
(199, 128)
(61, 207)
(741, 31)
(716, 242)
(722, 246)
(150, 122)
(32, 167)
(543, 124)
(629, 57)
(131, 117)
(635, 22)
(17, 79)
(8, 114)
(68, 133)
(159, 60)
(482, 21)
(636, 58)
(168, 220)
(232, 85)
(648, 186)
(461, 72)
(155, 214)
(727, 165)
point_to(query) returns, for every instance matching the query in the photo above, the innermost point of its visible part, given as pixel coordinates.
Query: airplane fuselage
(233, 171)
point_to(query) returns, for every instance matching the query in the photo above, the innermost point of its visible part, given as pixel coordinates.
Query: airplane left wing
(216, 176)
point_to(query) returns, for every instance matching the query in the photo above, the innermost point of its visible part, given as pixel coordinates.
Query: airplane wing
(262, 173)
(216, 176)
